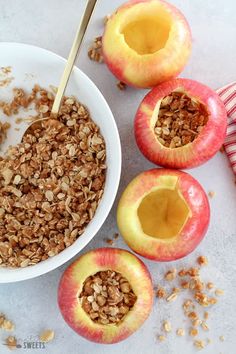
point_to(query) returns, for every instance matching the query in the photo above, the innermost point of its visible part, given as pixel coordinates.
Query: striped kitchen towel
(228, 96)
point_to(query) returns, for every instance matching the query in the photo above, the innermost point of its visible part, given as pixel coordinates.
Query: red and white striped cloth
(228, 96)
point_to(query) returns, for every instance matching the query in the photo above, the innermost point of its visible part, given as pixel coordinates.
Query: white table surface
(32, 304)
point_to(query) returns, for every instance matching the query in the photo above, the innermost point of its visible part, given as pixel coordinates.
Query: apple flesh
(163, 214)
(146, 42)
(208, 141)
(102, 259)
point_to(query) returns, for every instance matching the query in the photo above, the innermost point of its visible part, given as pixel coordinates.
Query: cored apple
(106, 295)
(163, 214)
(146, 42)
(180, 124)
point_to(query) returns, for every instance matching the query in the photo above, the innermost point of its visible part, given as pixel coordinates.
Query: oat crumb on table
(11, 342)
(6, 324)
(46, 336)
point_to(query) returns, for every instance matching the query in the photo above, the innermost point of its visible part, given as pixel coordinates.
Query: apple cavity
(180, 124)
(146, 42)
(106, 295)
(163, 214)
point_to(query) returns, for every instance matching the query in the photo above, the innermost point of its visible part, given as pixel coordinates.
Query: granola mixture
(107, 297)
(180, 120)
(51, 183)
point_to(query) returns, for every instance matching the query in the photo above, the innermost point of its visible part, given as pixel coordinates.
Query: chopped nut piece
(167, 326)
(180, 332)
(46, 336)
(161, 293)
(121, 85)
(11, 342)
(199, 344)
(202, 260)
(171, 275)
(193, 332)
(219, 292)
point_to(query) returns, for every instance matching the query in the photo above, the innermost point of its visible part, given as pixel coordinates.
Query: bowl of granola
(58, 184)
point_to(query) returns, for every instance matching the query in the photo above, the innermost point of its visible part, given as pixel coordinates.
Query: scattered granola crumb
(6, 324)
(196, 322)
(193, 272)
(46, 336)
(199, 344)
(193, 332)
(171, 274)
(211, 194)
(121, 85)
(116, 236)
(219, 292)
(11, 342)
(183, 273)
(204, 326)
(167, 326)
(184, 284)
(210, 285)
(209, 340)
(95, 52)
(6, 69)
(180, 332)
(206, 315)
(4, 127)
(109, 241)
(161, 293)
(202, 260)
(6, 82)
(222, 338)
(171, 297)
(161, 338)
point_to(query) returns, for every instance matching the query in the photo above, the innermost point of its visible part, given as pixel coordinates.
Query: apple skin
(71, 285)
(145, 71)
(192, 232)
(204, 147)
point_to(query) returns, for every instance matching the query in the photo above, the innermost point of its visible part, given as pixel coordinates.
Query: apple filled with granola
(180, 124)
(106, 295)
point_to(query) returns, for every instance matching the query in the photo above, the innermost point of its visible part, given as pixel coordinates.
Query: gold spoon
(68, 68)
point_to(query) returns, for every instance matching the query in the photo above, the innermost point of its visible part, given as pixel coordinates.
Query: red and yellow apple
(146, 42)
(206, 144)
(103, 259)
(163, 214)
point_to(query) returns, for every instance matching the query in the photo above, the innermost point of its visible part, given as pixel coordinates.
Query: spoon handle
(72, 56)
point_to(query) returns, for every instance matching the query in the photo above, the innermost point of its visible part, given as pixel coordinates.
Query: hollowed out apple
(146, 42)
(163, 214)
(180, 124)
(128, 297)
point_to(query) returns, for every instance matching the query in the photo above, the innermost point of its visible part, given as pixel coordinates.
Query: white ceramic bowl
(32, 65)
